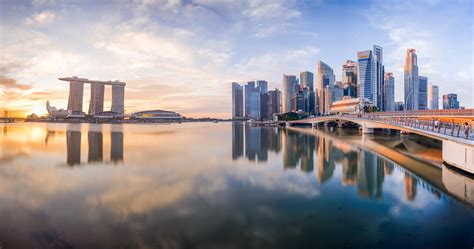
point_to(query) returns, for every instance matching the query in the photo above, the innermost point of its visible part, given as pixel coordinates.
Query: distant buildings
(156, 116)
(450, 101)
(422, 93)
(433, 97)
(307, 80)
(237, 100)
(349, 78)
(332, 93)
(389, 92)
(378, 99)
(399, 106)
(411, 80)
(349, 105)
(254, 102)
(366, 75)
(325, 78)
(290, 87)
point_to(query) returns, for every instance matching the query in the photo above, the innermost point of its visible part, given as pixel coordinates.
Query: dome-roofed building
(156, 116)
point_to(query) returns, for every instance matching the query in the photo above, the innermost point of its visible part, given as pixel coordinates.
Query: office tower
(118, 98)
(325, 77)
(307, 79)
(248, 89)
(433, 97)
(389, 92)
(422, 93)
(411, 80)
(298, 102)
(237, 100)
(450, 101)
(97, 98)
(332, 93)
(274, 99)
(312, 102)
(76, 93)
(379, 78)
(366, 75)
(290, 87)
(264, 111)
(262, 86)
(254, 104)
(349, 78)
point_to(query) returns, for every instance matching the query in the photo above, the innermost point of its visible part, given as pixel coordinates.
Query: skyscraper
(290, 87)
(411, 80)
(325, 77)
(307, 79)
(237, 100)
(379, 78)
(332, 94)
(76, 92)
(118, 92)
(389, 92)
(274, 102)
(433, 97)
(349, 78)
(366, 76)
(97, 98)
(422, 93)
(262, 86)
(450, 101)
(254, 104)
(250, 87)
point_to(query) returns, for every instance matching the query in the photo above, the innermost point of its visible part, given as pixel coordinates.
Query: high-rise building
(274, 102)
(307, 79)
(76, 93)
(389, 92)
(349, 78)
(262, 86)
(366, 75)
(422, 93)
(248, 89)
(290, 87)
(298, 102)
(399, 106)
(237, 100)
(411, 80)
(379, 77)
(332, 94)
(450, 101)
(325, 77)
(97, 98)
(254, 104)
(118, 92)
(433, 97)
(264, 112)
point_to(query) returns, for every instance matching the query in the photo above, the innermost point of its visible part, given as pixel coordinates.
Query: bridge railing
(450, 129)
(432, 113)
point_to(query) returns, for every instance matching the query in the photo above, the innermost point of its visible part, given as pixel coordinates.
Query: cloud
(10, 84)
(45, 17)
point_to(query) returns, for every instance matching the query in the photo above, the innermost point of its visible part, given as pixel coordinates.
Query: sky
(183, 55)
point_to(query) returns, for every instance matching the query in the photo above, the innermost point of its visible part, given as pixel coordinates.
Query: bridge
(446, 126)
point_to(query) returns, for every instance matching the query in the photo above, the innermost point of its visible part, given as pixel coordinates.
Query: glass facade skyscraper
(349, 78)
(433, 97)
(450, 101)
(389, 92)
(379, 78)
(237, 100)
(325, 77)
(422, 93)
(307, 79)
(290, 87)
(366, 75)
(250, 87)
(262, 86)
(411, 80)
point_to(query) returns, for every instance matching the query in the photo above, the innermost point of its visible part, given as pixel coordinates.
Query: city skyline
(185, 60)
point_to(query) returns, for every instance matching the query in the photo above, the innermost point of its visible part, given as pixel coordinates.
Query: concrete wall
(459, 155)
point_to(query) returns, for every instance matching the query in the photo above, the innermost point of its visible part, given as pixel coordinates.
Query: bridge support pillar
(366, 130)
(459, 155)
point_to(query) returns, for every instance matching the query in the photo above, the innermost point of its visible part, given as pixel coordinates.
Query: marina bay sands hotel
(96, 106)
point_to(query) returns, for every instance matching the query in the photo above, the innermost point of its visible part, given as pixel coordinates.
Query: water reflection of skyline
(362, 169)
(95, 147)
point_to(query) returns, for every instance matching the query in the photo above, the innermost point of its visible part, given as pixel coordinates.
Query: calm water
(206, 185)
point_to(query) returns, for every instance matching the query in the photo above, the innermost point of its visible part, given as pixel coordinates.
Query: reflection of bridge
(457, 140)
